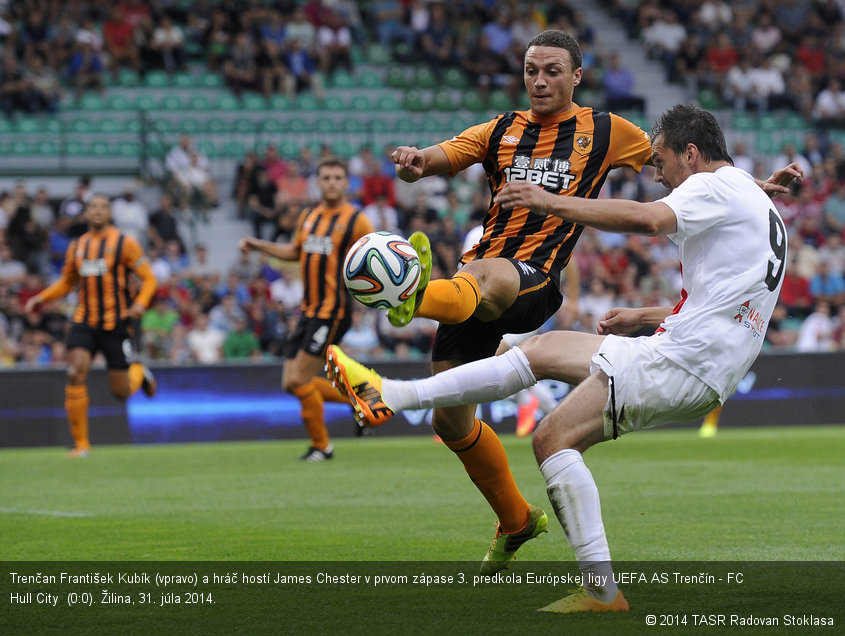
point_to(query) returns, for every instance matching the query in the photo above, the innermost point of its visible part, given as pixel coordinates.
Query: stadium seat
(73, 148)
(442, 100)
(210, 79)
(254, 101)
(765, 144)
(47, 148)
(145, 102)
(164, 126)
(500, 102)
(289, 149)
(172, 102)
(307, 101)
(455, 78)
(129, 149)
(117, 102)
(5, 125)
(234, 149)
(128, 78)
(342, 79)
(794, 121)
(189, 126)
(20, 147)
(378, 55)
(184, 80)
(280, 102)
(343, 149)
(414, 101)
(324, 125)
(334, 102)
(360, 103)
(424, 77)
(244, 126)
(388, 102)
(91, 101)
(377, 125)
(396, 78)
(297, 125)
(369, 79)
(708, 99)
(217, 125)
(106, 125)
(770, 122)
(472, 101)
(132, 125)
(227, 101)
(744, 122)
(28, 125)
(81, 125)
(352, 125)
(156, 79)
(199, 102)
(272, 126)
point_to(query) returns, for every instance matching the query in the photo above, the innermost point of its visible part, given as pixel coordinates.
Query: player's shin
(472, 383)
(575, 498)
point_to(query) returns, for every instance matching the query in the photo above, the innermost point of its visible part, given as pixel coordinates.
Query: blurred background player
(323, 236)
(99, 264)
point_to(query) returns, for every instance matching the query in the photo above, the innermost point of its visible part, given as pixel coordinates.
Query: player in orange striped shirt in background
(324, 234)
(99, 264)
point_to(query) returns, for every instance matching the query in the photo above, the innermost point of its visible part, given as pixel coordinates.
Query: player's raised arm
(781, 179)
(284, 251)
(413, 164)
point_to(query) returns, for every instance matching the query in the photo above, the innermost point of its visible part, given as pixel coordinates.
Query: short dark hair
(332, 162)
(687, 124)
(561, 40)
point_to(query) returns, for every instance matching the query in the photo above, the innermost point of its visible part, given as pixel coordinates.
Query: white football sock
(545, 396)
(472, 383)
(575, 498)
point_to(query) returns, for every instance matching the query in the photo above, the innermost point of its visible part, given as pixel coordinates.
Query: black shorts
(539, 298)
(314, 335)
(116, 344)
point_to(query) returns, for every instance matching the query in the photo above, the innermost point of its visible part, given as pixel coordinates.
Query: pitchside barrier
(245, 402)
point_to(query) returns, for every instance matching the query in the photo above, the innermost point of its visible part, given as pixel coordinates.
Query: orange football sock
(76, 405)
(136, 376)
(450, 301)
(327, 391)
(486, 463)
(312, 414)
(712, 418)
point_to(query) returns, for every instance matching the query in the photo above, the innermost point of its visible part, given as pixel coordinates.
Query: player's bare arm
(611, 216)
(283, 251)
(413, 164)
(781, 179)
(623, 321)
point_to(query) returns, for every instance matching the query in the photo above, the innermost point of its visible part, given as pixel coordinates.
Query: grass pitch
(761, 494)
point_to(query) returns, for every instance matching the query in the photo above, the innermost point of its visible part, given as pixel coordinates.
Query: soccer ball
(381, 270)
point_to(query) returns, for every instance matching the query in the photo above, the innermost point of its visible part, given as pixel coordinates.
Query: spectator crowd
(201, 314)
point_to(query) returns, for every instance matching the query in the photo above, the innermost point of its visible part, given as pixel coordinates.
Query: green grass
(761, 494)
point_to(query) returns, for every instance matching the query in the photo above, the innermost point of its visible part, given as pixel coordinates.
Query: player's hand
(781, 179)
(135, 311)
(620, 321)
(409, 162)
(522, 194)
(32, 304)
(246, 244)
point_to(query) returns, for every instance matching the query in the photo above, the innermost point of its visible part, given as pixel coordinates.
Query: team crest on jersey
(552, 174)
(583, 144)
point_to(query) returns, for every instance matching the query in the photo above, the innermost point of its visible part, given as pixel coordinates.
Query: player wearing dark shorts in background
(99, 264)
(323, 236)
(510, 281)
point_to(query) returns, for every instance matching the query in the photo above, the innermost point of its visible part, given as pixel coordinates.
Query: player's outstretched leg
(504, 546)
(402, 315)
(361, 385)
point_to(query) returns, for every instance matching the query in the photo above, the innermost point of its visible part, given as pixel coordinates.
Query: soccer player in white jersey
(732, 245)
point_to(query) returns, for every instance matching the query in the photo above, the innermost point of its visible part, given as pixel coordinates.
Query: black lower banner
(414, 598)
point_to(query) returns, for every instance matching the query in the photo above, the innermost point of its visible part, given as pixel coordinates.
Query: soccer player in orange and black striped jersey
(509, 282)
(323, 236)
(99, 264)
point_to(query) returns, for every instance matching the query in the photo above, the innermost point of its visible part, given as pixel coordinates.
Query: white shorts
(646, 389)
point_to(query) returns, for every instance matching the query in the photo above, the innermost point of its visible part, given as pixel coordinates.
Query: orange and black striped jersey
(323, 236)
(100, 263)
(570, 153)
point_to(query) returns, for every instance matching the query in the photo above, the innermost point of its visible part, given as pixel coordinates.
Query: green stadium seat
(254, 101)
(472, 101)
(128, 78)
(129, 149)
(145, 102)
(28, 125)
(343, 149)
(455, 78)
(415, 101)
(217, 125)
(172, 102)
(359, 103)
(5, 125)
(74, 148)
(156, 79)
(770, 122)
(289, 149)
(324, 125)
(431, 125)
(744, 122)
(207, 148)
(52, 125)
(500, 102)
(81, 125)
(199, 102)
(210, 79)
(184, 80)
(765, 144)
(708, 99)
(353, 126)
(298, 125)
(234, 149)
(91, 101)
(227, 101)
(107, 126)
(131, 125)
(334, 102)
(794, 121)
(378, 125)
(244, 126)
(97, 149)
(47, 148)
(388, 103)
(342, 79)
(378, 55)
(156, 148)
(369, 79)
(164, 126)
(307, 101)
(21, 148)
(280, 102)
(189, 126)
(443, 100)
(396, 78)
(272, 126)
(424, 77)
(117, 102)
(406, 125)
